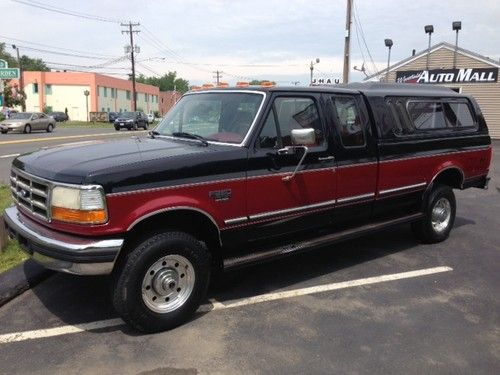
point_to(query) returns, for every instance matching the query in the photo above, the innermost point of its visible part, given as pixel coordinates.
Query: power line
(49, 46)
(358, 20)
(63, 53)
(51, 8)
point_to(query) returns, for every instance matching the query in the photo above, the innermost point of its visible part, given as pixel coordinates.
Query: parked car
(113, 116)
(236, 177)
(151, 118)
(25, 122)
(131, 120)
(59, 116)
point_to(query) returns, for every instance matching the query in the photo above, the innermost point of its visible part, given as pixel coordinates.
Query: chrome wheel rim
(441, 215)
(168, 283)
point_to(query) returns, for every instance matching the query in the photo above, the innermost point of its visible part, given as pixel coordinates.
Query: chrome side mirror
(303, 137)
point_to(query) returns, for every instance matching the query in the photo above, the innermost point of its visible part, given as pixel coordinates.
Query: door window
(349, 121)
(287, 114)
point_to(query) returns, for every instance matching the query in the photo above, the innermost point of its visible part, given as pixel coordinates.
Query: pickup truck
(236, 176)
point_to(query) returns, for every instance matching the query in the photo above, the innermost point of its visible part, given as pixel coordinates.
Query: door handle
(326, 158)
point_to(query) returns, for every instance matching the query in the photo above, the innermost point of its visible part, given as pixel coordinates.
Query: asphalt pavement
(14, 144)
(375, 305)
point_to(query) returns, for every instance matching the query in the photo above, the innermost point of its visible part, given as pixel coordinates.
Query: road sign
(3, 64)
(9, 73)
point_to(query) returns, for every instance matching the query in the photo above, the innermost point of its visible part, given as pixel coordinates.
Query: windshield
(128, 115)
(215, 116)
(20, 116)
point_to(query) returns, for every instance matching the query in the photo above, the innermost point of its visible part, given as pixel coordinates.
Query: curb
(21, 278)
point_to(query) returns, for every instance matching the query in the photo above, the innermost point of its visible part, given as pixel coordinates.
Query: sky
(257, 39)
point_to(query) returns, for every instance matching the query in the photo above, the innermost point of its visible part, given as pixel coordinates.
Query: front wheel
(439, 216)
(27, 129)
(162, 281)
(117, 128)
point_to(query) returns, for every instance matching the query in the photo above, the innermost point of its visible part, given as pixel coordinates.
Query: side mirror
(303, 137)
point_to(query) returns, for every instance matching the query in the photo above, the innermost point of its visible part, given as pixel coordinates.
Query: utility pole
(217, 76)
(21, 80)
(347, 45)
(131, 31)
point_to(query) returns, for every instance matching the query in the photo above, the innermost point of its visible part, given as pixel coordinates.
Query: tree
(27, 63)
(167, 82)
(12, 96)
(256, 82)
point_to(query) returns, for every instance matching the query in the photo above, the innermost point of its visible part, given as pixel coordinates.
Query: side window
(426, 115)
(268, 137)
(291, 113)
(349, 121)
(458, 114)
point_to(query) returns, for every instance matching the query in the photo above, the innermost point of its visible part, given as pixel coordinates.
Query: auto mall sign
(469, 75)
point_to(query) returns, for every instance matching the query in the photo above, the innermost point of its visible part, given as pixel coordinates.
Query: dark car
(131, 120)
(59, 116)
(113, 116)
(233, 177)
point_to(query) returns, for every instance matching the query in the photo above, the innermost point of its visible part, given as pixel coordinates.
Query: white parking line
(216, 305)
(9, 156)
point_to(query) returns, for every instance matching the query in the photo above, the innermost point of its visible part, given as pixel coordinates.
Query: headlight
(82, 206)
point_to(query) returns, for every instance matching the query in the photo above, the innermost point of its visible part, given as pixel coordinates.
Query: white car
(151, 118)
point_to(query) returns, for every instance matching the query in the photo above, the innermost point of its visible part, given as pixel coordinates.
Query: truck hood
(84, 162)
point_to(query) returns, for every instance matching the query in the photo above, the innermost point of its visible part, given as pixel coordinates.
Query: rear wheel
(27, 129)
(4, 131)
(162, 281)
(50, 128)
(117, 128)
(439, 216)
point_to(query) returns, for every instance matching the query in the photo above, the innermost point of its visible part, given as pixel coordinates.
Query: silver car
(27, 121)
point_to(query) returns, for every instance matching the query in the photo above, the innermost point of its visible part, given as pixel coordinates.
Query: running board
(282, 251)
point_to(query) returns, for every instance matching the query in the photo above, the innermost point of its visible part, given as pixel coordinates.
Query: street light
(312, 68)
(429, 29)
(457, 26)
(87, 93)
(21, 80)
(388, 44)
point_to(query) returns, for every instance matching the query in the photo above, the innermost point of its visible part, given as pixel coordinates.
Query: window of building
(35, 88)
(48, 89)
(128, 94)
(103, 109)
(146, 98)
(287, 114)
(105, 92)
(349, 121)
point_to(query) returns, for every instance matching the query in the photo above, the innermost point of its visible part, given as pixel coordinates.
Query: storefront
(467, 73)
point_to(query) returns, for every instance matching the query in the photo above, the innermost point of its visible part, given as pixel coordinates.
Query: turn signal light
(79, 216)
(267, 84)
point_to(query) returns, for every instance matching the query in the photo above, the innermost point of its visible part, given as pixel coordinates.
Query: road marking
(69, 137)
(9, 156)
(216, 305)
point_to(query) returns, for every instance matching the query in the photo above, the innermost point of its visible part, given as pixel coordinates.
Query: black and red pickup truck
(231, 177)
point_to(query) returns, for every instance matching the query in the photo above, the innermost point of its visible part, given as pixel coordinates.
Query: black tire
(4, 131)
(130, 275)
(145, 126)
(50, 128)
(424, 229)
(129, 128)
(27, 129)
(117, 128)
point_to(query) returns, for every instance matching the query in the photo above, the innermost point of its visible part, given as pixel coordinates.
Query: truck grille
(30, 193)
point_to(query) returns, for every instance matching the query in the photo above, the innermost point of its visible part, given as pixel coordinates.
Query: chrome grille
(30, 193)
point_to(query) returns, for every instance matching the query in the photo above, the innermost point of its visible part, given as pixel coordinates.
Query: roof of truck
(368, 88)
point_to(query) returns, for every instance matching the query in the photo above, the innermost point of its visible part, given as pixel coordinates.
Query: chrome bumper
(60, 251)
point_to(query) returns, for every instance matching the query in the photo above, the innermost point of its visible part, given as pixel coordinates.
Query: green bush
(2, 117)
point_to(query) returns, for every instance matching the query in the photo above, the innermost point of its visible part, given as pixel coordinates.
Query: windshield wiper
(191, 136)
(152, 133)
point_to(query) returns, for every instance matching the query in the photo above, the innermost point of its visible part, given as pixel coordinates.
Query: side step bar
(282, 251)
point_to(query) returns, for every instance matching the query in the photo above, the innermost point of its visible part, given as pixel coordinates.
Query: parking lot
(379, 304)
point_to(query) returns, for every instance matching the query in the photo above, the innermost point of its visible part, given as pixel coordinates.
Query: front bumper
(61, 251)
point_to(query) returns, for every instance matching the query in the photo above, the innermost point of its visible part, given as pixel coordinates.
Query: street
(378, 304)
(13, 144)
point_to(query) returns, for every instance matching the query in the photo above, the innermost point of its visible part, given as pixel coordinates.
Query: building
(473, 74)
(58, 91)
(167, 100)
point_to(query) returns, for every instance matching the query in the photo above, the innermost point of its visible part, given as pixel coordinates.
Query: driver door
(279, 201)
